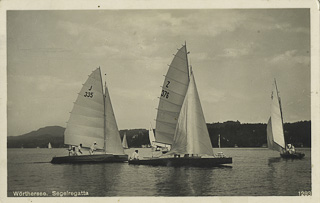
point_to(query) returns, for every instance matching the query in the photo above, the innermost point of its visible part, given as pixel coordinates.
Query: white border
(164, 4)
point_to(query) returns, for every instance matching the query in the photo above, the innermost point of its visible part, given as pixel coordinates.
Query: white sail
(124, 142)
(112, 136)
(151, 137)
(275, 125)
(191, 135)
(49, 145)
(172, 95)
(219, 141)
(86, 122)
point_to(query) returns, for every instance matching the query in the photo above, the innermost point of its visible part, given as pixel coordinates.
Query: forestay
(172, 95)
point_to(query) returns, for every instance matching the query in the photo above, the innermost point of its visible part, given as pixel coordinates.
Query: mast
(279, 99)
(104, 116)
(185, 44)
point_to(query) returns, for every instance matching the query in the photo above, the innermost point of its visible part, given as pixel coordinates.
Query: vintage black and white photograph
(160, 102)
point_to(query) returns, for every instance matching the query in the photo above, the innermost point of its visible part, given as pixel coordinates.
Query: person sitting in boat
(290, 149)
(70, 150)
(74, 152)
(79, 148)
(93, 148)
(135, 155)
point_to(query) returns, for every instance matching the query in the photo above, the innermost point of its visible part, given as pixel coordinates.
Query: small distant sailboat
(124, 142)
(152, 139)
(92, 120)
(275, 132)
(156, 146)
(49, 146)
(180, 121)
(219, 141)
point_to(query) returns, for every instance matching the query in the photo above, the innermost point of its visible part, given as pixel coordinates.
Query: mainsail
(191, 135)
(275, 133)
(172, 95)
(92, 118)
(86, 123)
(124, 142)
(49, 145)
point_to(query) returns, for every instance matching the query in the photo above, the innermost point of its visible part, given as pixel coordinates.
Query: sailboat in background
(156, 146)
(124, 141)
(151, 137)
(180, 121)
(92, 120)
(49, 146)
(219, 141)
(275, 132)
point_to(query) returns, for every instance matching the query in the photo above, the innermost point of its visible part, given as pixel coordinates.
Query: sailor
(74, 153)
(290, 149)
(93, 148)
(79, 148)
(135, 155)
(70, 150)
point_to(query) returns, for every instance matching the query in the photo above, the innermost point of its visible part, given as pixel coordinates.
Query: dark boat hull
(296, 155)
(199, 162)
(96, 158)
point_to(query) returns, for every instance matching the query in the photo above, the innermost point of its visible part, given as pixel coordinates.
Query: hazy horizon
(235, 55)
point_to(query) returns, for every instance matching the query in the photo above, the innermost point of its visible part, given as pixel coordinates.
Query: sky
(235, 55)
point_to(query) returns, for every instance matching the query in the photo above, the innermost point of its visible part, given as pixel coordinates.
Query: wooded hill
(232, 133)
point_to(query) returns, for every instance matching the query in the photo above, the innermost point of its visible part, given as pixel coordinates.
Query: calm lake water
(254, 172)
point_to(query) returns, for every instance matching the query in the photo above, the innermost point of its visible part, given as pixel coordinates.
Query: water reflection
(97, 179)
(189, 181)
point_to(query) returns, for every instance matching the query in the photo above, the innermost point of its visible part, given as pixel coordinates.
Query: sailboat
(151, 137)
(124, 142)
(49, 146)
(92, 120)
(156, 146)
(180, 121)
(275, 132)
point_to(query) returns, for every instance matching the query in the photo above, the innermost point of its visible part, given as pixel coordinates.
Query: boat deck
(96, 158)
(183, 161)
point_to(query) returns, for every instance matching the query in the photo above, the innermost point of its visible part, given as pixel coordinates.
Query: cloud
(291, 56)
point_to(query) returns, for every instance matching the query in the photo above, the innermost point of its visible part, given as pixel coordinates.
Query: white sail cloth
(275, 124)
(172, 95)
(191, 134)
(86, 123)
(92, 118)
(112, 136)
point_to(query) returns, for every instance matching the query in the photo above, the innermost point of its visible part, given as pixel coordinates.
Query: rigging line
(169, 101)
(175, 80)
(164, 122)
(179, 57)
(78, 104)
(171, 66)
(85, 126)
(173, 112)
